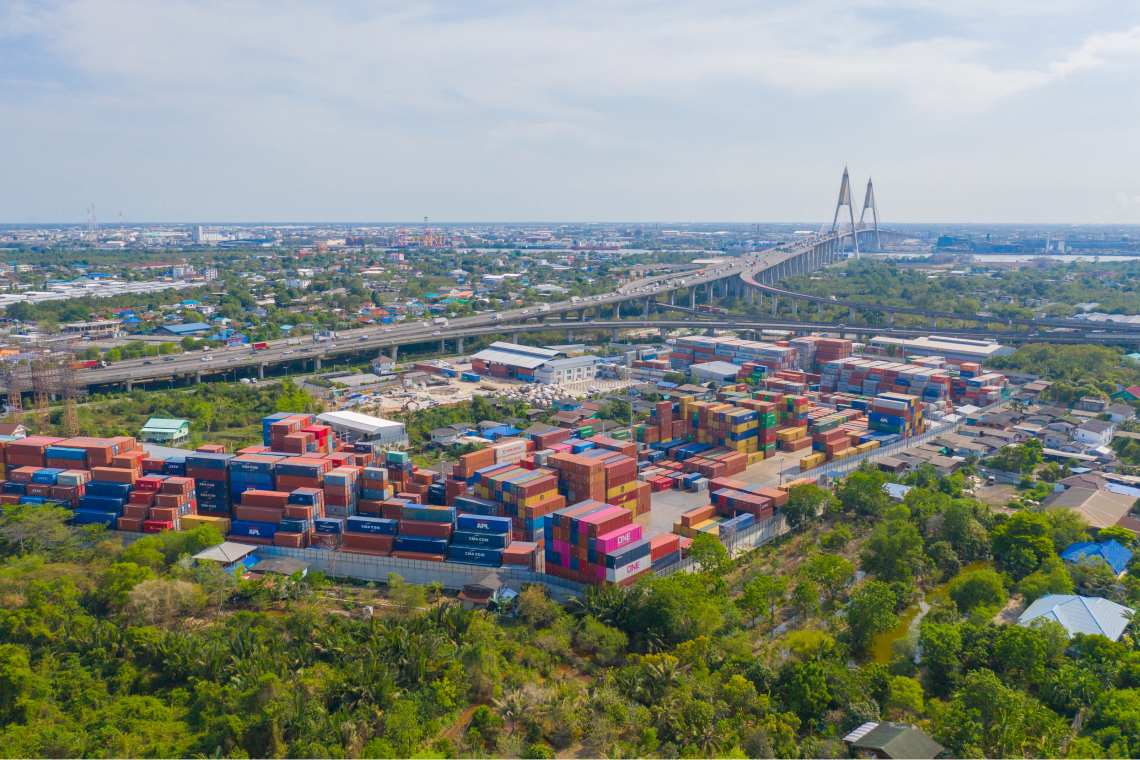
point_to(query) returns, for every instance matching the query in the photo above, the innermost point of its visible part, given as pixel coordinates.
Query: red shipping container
(158, 526)
(257, 514)
(425, 529)
(142, 497)
(130, 524)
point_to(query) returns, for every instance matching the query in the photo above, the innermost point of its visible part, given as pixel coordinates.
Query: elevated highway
(749, 278)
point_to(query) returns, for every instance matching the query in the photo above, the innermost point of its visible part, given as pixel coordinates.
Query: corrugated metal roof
(1112, 552)
(511, 358)
(520, 348)
(227, 551)
(1080, 614)
(860, 732)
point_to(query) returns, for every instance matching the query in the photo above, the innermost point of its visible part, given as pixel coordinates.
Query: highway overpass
(750, 278)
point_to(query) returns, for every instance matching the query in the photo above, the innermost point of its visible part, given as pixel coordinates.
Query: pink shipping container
(618, 538)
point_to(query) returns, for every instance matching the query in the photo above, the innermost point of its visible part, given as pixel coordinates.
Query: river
(880, 652)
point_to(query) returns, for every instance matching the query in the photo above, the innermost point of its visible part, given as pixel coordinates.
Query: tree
(941, 649)
(762, 595)
(862, 493)
(1051, 577)
(1022, 542)
(894, 552)
(982, 588)
(805, 599)
(803, 689)
(1115, 533)
(804, 504)
(117, 582)
(708, 552)
(536, 608)
(831, 572)
(944, 558)
(905, 696)
(870, 612)
(963, 531)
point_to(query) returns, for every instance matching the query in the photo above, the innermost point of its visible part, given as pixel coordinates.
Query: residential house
(1099, 508)
(1094, 433)
(1080, 614)
(1118, 413)
(892, 741)
(383, 365)
(1081, 480)
(1114, 553)
(13, 429)
(1131, 393)
(444, 436)
(1092, 404)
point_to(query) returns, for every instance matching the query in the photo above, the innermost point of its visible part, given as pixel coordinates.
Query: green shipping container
(586, 432)
(620, 435)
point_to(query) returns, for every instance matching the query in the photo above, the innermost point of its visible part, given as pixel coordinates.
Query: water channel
(881, 652)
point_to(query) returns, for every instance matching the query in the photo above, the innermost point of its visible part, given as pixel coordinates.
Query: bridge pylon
(845, 200)
(869, 203)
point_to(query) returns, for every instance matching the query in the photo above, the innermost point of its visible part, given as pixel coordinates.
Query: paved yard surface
(668, 506)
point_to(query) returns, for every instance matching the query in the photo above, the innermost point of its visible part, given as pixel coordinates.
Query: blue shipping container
(481, 538)
(476, 555)
(419, 544)
(378, 525)
(484, 523)
(328, 525)
(253, 529)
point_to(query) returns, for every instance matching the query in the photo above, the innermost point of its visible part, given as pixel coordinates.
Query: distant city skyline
(970, 113)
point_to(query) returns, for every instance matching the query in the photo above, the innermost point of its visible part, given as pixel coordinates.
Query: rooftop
(1080, 614)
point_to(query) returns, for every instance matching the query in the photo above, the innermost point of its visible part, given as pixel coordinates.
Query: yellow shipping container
(190, 522)
(813, 460)
(535, 500)
(841, 454)
(621, 490)
(754, 457)
(708, 526)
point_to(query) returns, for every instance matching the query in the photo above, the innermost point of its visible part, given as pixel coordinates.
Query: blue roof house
(1114, 553)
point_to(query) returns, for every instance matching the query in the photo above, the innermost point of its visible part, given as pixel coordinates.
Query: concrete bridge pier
(198, 378)
(443, 345)
(129, 386)
(317, 364)
(819, 311)
(890, 318)
(647, 307)
(795, 308)
(775, 300)
(581, 315)
(261, 371)
(693, 297)
(459, 341)
(760, 299)
(392, 352)
(514, 338)
(851, 315)
(569, 336)
(672, 297)
(710, 331)
(933, 322)
(617, 335)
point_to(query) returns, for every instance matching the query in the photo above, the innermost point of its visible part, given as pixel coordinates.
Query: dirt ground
(996, 495)
(1012, 610)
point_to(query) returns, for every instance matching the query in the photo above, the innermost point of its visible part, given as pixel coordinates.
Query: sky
(344, 111)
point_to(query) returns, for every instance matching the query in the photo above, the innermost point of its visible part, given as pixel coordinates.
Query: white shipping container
(633, 568)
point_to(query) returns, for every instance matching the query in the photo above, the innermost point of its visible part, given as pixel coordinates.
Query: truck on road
(259, 346)
(440, 321)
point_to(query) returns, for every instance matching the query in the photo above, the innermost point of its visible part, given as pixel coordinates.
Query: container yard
(561, 501)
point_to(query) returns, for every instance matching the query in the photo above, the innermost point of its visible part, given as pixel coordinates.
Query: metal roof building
(893, 741)
(354, 426)
(1114, 553)
(516, 355)
(1080, 614)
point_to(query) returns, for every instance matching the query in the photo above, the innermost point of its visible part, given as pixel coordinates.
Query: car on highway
(331, 345)
(387, 329)
(169, 359)
(289, 350)
(363, 337)
(207, 358)
(436, 332)
(148, 362)
(232, 359)
(304, 350)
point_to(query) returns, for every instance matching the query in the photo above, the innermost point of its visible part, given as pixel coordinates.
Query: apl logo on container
(254, 531)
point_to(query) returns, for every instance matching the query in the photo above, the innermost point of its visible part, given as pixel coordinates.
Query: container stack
(480, 540)
(895, 413)
(580, 479)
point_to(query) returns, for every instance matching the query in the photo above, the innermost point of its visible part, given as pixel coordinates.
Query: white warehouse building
(572, 370)
(954, 350)
(352, 427)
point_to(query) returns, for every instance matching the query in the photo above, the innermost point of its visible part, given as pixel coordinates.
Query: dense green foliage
(113, 651)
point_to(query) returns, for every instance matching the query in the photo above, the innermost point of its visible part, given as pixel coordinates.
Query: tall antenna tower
(427, 239)
(845, 200)
(120, 221)
(869, 203)
(92, 225)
